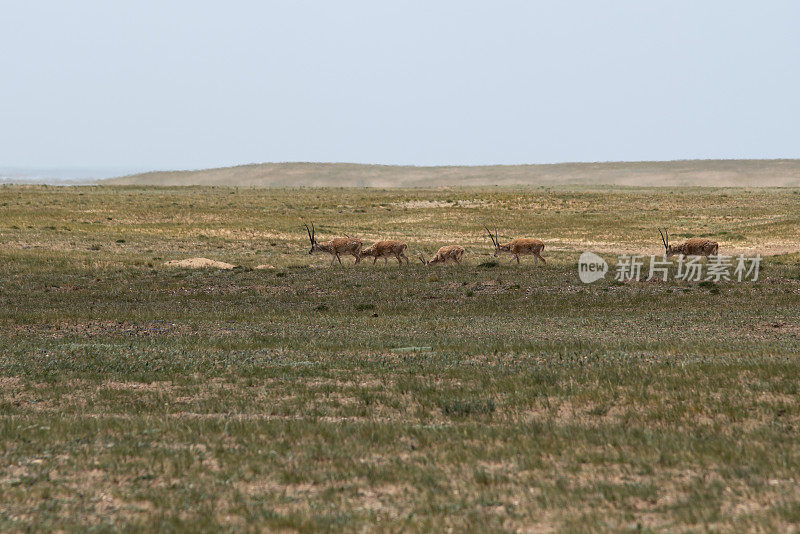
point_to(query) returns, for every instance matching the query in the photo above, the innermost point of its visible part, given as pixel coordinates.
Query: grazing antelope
(384, 249)
(696, 246)
(445, 254)
(518, 247)
(336, 246)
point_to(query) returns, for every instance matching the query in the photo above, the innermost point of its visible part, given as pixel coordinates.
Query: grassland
(478, 397)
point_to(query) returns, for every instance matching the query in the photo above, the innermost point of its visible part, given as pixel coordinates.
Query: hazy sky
(191, 84)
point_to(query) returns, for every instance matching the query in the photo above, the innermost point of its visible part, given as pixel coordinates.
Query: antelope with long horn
(335, 247)
(386, 249)
(445, 254)
(695, 246)
(518, 247)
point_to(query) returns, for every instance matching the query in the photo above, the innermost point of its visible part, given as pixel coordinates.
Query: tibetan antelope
(445, 254)
(696, 246)
(518, 247)
(335, 247)
(385, 249)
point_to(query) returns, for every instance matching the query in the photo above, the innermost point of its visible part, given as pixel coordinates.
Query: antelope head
(498, 248)
(669, 250)
(312, 237)
(433, 261)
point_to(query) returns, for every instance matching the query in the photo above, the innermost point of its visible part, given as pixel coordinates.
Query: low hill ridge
(715, 173)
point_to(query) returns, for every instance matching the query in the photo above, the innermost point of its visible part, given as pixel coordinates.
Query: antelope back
(385, 248)
(698, 246)
(450, 252)
(347, 245)
(526, 246)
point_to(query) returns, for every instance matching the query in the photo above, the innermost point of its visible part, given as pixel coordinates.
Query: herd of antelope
(339, 246)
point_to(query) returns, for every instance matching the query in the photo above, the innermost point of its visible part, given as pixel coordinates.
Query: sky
(194, 84)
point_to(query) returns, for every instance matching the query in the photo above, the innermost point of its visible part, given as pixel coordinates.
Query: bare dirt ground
(199, 263)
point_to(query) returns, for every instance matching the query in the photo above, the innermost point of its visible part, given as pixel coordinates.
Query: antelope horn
(313, 233)
(308, 230)
(663, 240)
(490, 235)
(421, 257)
